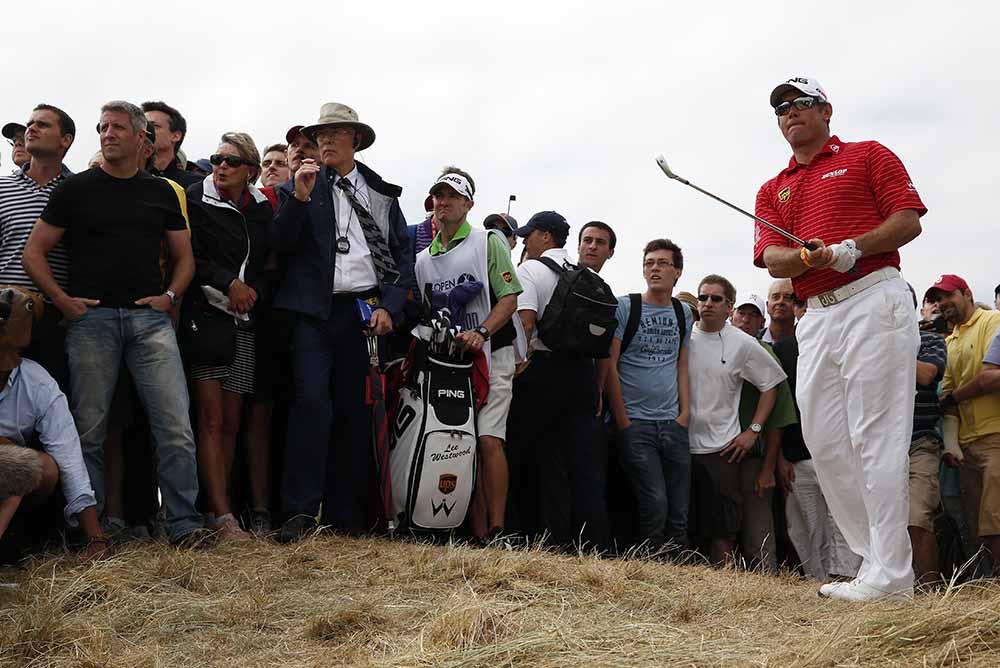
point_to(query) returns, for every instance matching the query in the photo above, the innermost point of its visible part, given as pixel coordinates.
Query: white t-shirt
(538, 282)
(718, 364)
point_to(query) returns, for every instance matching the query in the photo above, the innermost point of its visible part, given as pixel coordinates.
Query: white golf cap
(456, 182)
(752, 300)
(805, 85)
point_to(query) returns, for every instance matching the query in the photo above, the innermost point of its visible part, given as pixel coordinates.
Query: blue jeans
(656, 457)
(95, 346)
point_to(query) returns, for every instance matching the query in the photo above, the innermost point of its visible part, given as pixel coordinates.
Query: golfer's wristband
(804, 256)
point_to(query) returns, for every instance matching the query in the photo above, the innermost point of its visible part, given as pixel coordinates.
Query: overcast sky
(563, 104)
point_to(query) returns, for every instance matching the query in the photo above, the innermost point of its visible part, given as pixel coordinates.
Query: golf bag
(433, 456)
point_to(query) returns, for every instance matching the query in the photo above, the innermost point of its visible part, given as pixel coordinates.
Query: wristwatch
(173, 297)
(756, 428)
(483, 332)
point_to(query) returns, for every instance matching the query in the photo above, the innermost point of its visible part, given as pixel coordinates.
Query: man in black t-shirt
(114, 219)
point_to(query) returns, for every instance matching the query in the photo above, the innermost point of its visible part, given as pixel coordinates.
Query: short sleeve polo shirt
(848, 189)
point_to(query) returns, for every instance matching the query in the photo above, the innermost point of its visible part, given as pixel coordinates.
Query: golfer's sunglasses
(231, 160)
(714, 298)
(800, 103)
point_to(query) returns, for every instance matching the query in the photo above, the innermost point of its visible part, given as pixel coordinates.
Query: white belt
(844, 292)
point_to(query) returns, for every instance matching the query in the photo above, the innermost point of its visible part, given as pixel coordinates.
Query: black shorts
(716, 500)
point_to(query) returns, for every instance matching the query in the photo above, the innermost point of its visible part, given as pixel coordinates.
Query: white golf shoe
(826, 591)
(856, 590)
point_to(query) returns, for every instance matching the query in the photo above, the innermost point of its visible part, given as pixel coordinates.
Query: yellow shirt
(967, 346)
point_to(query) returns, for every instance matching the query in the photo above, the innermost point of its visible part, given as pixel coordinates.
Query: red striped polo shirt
(848, 189)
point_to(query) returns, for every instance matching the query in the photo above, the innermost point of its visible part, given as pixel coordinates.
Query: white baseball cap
(751, 299)
(456, 182)
(805, 85)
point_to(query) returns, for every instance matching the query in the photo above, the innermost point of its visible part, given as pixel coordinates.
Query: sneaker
(857, 591)
(826, 591)
(260, 523)
(228, 530)
(115, 529)
(296, 528)
(196, 539)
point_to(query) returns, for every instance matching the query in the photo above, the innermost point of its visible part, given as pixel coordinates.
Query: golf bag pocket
(433, 457)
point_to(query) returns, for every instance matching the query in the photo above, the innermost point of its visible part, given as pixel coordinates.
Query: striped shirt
(21, 204)
(933, 350)
(848, 189)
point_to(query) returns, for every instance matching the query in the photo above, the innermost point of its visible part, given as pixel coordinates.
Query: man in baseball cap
(14, 133)
(504, 223)
(857, 206)
(300, 147)
(757, 532)
(970, 404)
(459, 253)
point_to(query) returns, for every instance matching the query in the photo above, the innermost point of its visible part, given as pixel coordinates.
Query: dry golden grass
(342, 602)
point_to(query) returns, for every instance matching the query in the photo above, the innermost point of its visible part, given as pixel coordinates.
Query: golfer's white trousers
(855, 388)
(821, 547)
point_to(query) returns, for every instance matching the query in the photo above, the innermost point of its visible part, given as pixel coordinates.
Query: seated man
(31, 403)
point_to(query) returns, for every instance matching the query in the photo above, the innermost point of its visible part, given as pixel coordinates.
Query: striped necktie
(385, 265)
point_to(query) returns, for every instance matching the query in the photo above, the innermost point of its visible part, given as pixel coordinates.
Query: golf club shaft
(775, 228)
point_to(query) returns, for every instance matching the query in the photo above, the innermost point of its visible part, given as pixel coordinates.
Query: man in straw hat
(344, 235)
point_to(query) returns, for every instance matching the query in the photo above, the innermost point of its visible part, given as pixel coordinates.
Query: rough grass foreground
(343, 602)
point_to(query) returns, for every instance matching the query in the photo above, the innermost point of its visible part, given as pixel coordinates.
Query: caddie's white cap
(805, 85)
(456, 182)
(751, 299)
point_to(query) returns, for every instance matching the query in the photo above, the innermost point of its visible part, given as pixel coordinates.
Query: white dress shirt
(353, 271)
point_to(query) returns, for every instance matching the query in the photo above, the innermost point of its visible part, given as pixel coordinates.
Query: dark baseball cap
(11, 129)
(293, 133)
(546, 221)
(499, 221)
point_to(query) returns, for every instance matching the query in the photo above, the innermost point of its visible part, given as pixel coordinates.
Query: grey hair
(135, 113)
(247, 150)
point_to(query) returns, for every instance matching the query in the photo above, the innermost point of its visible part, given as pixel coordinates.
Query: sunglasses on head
(231, 160)
(800, 103)
(715, 299)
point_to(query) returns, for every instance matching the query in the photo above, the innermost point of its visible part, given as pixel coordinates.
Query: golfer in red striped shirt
(858, 340)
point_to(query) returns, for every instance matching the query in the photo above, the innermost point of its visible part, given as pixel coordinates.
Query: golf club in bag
(433, 456)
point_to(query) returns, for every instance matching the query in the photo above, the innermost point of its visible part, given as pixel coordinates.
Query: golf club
(662, 162)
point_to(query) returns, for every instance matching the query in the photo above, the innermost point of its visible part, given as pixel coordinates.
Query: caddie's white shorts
(492, 419)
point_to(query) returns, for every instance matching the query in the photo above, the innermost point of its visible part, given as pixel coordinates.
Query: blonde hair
(246, 149)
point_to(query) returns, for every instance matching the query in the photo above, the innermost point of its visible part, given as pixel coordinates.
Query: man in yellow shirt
(971, 406)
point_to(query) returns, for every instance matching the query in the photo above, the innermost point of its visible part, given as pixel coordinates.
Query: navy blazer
(303, 232)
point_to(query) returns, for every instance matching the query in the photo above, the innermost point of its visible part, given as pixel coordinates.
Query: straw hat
(333, 114)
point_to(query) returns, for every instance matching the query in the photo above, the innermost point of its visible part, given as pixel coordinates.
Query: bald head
(779, 301)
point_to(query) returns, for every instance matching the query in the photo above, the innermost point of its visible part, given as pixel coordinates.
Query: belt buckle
(827, 298)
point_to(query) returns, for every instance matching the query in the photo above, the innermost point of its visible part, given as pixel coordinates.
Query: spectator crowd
(196, 364)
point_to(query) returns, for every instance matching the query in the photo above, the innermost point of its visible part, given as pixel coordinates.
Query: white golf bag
(433, 455)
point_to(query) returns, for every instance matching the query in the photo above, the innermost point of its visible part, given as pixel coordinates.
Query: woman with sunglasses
(229, 220)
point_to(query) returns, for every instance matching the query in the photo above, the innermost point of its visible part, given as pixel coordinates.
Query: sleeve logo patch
(785, 193)
(507, 277)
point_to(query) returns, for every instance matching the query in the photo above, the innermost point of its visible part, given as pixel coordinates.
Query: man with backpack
(568, 317)
(649, 396)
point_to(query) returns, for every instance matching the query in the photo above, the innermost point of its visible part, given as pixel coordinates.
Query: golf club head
(662, 162)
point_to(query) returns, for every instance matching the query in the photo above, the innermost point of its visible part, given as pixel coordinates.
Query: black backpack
(580, 317)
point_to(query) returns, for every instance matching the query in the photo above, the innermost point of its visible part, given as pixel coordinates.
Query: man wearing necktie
(344, 236)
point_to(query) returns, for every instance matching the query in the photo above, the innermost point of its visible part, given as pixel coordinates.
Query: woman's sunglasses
(231, 160)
